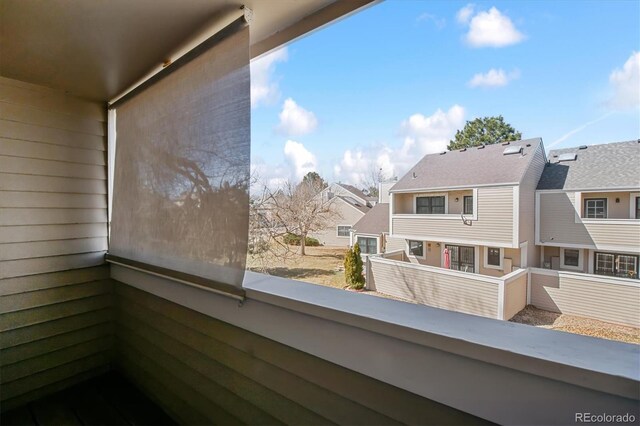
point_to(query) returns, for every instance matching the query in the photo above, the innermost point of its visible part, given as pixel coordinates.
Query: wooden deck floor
(105, 400)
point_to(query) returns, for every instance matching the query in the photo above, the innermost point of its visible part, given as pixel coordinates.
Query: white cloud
(264, 90)
(465, 13)
(422, 135)
(429, 134)
(301, 160)
(493, 78)
(439, 22)
(490, 29)
(295, 120)
(625, 83)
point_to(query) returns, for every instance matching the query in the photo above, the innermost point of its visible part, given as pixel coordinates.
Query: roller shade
(180, 196)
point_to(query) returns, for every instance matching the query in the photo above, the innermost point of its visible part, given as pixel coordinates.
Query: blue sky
(380, 89)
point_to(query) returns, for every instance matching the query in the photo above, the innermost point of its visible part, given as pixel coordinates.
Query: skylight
(512, 150)
(569, 156)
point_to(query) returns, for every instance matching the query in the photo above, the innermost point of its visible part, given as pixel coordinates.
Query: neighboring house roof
(355, 191)
(354, 203)
(376, 221)
(470, 167)
(612, 165)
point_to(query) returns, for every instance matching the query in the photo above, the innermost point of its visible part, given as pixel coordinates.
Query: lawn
(321, 265)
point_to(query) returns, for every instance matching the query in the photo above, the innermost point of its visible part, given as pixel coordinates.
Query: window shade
(180, 199)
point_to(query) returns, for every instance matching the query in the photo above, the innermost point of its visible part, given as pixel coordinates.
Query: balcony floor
(105, 400)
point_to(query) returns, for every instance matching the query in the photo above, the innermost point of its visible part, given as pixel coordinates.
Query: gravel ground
(578, 325)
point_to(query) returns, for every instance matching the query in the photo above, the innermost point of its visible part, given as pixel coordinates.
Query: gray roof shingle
(355, 191)
(473, 166)
(605, 166)
(354, 203)
(376, 221)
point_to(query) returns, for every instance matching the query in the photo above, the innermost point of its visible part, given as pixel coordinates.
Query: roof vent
(481, 147)
(414, 175)
(528, 145)
(582, 147)
(443, 152)
(463, 149)
(506, 143)
(512, 150)
(569, 156)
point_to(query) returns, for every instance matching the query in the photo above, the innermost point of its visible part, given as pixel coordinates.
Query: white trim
(111, 157)
(590, 261)
(524, 254)
(362, 234)
(528, 286)
(456, 241)
(580, 266)
(621, 189)
(632, 204)
(612, 221)
(592, 247)
(577, 206)
(501, 291)
(433, 194)
(453, 188)
(485, 260)
(516, 216)
(537, 219)
(408, 250)
(390, 213)
(428, 216)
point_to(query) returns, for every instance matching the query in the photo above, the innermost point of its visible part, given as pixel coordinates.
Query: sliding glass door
(462, 258)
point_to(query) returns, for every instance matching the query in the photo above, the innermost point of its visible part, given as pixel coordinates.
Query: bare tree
(296, 209)
(371, 183)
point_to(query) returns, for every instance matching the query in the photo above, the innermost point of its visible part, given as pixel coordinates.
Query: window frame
(367, 245)
(615, 263)
(578, 267)
(464, 205)
(444, 195)
(343, 226)
(486, 263)
(475, 257)
(410, 253)
(585, 214)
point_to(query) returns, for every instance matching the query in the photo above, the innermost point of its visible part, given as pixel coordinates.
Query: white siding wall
(55, 298)
(348, 215)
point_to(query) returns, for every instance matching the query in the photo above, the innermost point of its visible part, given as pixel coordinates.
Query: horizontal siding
(494, 224)
(558, 225)
(56, 318)
(515, 297)
(234, 376)
(430, 288)
(570, 294)
(393, 244)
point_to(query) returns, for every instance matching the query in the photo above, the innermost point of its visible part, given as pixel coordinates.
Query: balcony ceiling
(96, 49)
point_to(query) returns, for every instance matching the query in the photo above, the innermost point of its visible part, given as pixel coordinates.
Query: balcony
(610, 223)
(492, 223)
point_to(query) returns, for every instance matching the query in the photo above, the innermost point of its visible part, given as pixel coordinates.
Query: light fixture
(617, 200)
(457, 199)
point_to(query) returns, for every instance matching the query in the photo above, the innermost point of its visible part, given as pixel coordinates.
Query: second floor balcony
(485, 215)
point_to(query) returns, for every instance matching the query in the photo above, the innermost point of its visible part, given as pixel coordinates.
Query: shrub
(353, 268)
(294, 240)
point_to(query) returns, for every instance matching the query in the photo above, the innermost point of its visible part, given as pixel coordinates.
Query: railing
(493, 297)
(610, 299)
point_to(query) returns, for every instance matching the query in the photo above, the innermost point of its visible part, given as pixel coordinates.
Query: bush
(294, 240)
(353, 268)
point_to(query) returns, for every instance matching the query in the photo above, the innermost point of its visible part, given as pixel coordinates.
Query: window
(368, 245)
(468, 204)
(493, 256)
(416, 248)
(344, 230)
(637, 207)
(571, 257)
(616, 265)
(462, 258)
(430, 205)
(595, 208)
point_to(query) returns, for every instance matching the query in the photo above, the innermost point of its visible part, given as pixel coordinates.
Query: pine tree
(353, 268)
